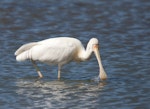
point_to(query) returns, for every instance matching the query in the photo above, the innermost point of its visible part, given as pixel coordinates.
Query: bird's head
(94, 44)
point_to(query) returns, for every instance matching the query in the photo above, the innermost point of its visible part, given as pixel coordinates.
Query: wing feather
(24, 48)
(50, 51)
(53, 54)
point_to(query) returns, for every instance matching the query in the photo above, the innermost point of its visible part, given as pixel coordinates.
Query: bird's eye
(95, 45)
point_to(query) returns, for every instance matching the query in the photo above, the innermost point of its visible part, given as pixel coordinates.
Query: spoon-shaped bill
(102, 73)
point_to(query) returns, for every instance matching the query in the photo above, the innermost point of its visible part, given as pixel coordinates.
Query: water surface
(123, 29)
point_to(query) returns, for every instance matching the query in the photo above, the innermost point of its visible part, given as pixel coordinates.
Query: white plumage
(59, 51)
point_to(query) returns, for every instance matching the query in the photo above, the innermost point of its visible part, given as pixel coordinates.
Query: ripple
(65, 93)
(122, 28)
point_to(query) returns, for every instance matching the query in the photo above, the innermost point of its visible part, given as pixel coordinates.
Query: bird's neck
(86, 53)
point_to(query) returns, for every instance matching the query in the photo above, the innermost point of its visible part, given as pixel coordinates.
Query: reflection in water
(52, 94)
(102, 84)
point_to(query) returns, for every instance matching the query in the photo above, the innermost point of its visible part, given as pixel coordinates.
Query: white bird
(59, 51)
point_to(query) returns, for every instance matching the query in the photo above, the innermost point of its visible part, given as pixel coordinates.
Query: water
(123, 29)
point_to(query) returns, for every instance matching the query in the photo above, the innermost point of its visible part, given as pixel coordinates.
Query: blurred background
(123, 30)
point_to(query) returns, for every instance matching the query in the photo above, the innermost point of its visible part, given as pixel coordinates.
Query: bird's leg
(59, 71)
(37, 69)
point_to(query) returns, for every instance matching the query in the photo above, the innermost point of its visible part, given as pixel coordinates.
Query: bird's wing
(24, 48)
(53, 53)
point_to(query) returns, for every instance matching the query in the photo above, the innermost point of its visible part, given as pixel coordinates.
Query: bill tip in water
(103, 79)
(103, 76)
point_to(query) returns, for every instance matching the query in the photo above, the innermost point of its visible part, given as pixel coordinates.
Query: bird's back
(52, 51)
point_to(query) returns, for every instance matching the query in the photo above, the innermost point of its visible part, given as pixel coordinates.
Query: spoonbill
(59, 51)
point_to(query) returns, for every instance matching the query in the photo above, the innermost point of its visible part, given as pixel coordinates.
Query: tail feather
(23, 56)
(23, 53)
(24, 48)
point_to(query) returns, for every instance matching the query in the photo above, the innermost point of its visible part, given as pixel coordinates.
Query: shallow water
(123, 29)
